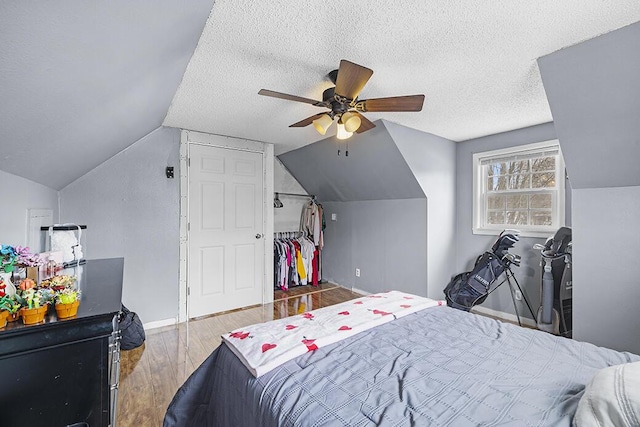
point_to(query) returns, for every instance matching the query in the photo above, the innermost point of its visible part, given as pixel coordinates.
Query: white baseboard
(160, 323)
(358, 291)
(504, 316)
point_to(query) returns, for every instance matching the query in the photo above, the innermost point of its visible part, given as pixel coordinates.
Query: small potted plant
(58, 283)
(4, 314)
(11, 306)
(67, 302)
(29, 261)
(8, 258)
(4, 304)
(34, 305)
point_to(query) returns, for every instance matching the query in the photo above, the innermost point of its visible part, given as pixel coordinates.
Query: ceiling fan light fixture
(322, 123)
(351, 121)
(342, 133)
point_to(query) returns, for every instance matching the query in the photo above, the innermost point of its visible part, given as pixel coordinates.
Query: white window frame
(479, 190)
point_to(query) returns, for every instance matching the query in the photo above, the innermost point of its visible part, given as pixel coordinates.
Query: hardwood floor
(150, 375)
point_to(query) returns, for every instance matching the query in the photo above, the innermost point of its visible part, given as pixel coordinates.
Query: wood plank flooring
(150, 375)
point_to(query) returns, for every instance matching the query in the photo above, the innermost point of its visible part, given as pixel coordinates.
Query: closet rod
(295, 195)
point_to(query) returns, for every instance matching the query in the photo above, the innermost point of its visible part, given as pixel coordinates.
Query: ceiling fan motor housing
(338, 106)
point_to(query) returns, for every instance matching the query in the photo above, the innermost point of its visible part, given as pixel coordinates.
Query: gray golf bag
(554, 313)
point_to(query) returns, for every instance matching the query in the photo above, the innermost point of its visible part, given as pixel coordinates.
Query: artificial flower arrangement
(26, 284)
(8, 258)
(66, 295)
(26, 258)
(34, 304)
(31, 302)
(4, 314)
(67, 302)
(58, 283)
(22, 256)
(10, 305)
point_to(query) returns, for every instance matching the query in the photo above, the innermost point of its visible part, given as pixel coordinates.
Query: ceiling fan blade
(307, 121)
(395, 103)
(288, 97)
(351, 79)
(365, 124)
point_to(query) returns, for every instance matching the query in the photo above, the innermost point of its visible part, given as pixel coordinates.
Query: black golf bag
(472, 287)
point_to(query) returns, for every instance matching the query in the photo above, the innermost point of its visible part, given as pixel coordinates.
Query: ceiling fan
(343, 103)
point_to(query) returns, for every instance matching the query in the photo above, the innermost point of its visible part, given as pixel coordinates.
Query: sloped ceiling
(474, 60)
(82, 80)
(594, 93)
(373, 170)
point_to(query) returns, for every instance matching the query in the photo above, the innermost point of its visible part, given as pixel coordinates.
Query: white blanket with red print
(265, 346)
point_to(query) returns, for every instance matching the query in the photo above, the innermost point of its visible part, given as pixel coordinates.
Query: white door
(226, 248)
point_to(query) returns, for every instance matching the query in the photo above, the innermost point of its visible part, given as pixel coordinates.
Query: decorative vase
(31, 316)
(6, 278)
(64, 311)
(3, 318)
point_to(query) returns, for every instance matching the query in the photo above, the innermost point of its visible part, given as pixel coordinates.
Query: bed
(436, 367)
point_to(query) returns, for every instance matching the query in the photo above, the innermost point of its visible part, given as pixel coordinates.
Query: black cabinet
(59, 373)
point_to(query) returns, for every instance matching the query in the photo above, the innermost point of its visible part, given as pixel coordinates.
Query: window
(521, 188)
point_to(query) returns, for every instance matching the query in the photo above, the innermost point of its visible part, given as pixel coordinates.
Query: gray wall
(593, 90)
(19, 194)
(432, 160)
(132, 210)
(287, 218)
(390, 162)
(606, 273)
(385, 239)
(374, 170)
(470, 245)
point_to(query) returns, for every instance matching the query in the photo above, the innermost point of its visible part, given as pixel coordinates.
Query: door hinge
(188, 291)
(188, 162)
(188, 226)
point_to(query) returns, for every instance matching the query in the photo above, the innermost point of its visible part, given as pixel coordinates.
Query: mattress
(437, 367)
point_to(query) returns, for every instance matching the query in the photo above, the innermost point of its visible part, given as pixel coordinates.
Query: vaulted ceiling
(83, 80)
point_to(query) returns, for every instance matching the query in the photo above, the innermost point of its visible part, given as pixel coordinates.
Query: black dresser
(64, 372)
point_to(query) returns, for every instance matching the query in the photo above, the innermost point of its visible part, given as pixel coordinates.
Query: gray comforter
(438, 367)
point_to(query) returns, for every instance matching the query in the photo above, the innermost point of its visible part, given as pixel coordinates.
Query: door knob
(258, 236)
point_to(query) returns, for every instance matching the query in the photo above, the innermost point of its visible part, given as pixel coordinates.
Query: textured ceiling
(475, 61)
(82, 80)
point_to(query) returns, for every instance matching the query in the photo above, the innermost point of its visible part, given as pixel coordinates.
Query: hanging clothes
(312, 224)
(311, 220)
(293, 260)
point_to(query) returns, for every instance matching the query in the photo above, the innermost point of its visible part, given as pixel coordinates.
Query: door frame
(187, 138)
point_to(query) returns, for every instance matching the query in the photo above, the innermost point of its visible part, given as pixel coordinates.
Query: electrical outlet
(518, 295)
(357, 272)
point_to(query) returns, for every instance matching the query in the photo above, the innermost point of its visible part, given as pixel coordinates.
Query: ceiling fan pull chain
(346, 154)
